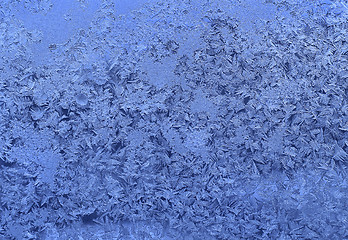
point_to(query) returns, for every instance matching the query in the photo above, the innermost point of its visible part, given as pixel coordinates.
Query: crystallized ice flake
(340, 154)
(81, 99)
(37, 113)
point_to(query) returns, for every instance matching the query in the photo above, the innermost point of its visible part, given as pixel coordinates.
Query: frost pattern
(174, 122)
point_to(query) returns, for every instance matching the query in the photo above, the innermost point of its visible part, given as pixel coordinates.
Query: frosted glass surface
(192, 119)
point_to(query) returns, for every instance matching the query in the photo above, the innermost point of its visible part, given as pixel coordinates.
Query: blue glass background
(184, 119)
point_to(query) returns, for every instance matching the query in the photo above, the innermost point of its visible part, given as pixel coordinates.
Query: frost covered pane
(175, 120)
